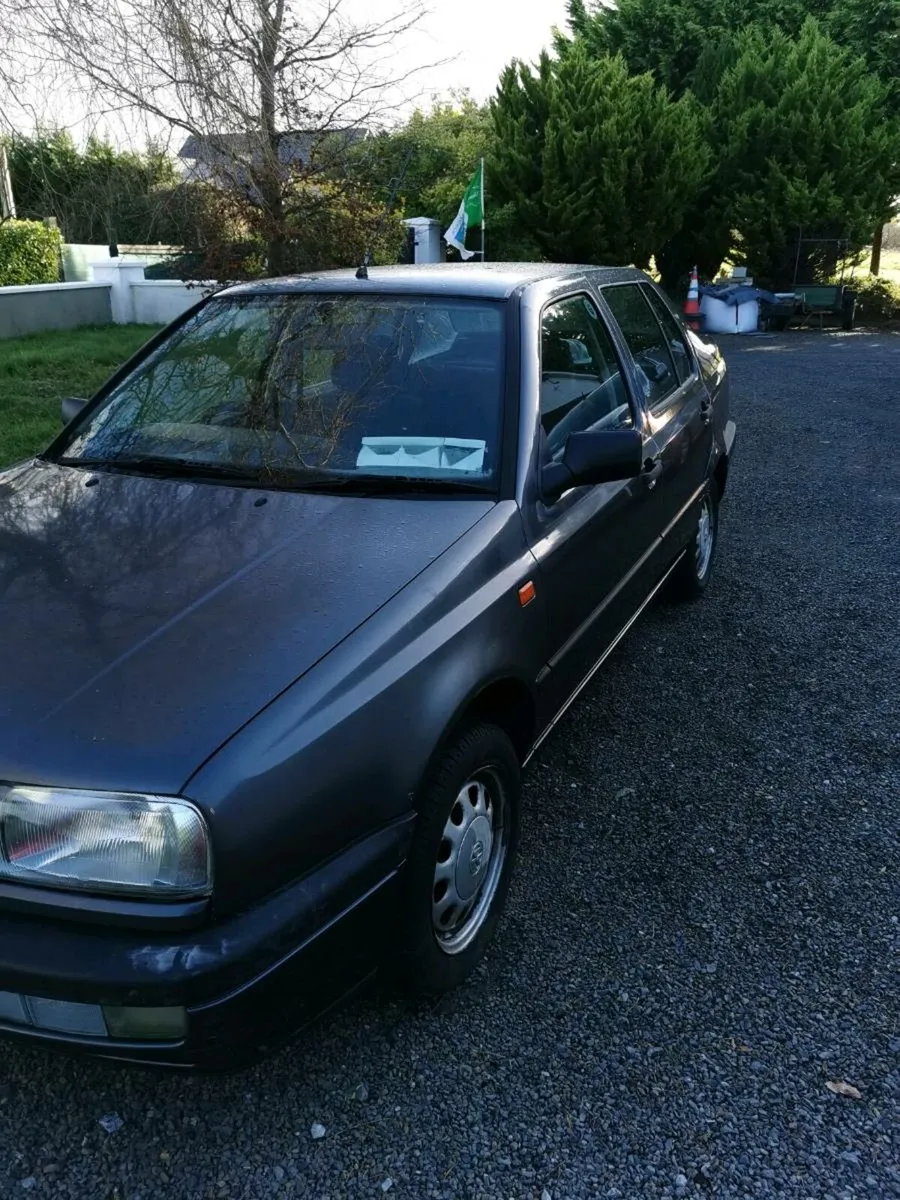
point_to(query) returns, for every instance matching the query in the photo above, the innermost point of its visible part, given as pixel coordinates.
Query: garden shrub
(29, 253)
(877, 299)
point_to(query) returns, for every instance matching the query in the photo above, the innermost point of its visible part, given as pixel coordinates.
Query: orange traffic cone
(692, 304)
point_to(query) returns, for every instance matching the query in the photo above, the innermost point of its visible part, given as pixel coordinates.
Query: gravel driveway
(703, 931)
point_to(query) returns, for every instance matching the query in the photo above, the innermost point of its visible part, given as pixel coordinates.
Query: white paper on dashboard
(422, 453)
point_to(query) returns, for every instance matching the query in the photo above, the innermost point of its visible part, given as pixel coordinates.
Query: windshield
(301, 385)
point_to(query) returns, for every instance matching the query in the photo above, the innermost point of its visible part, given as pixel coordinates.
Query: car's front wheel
(461, 859)
(692, 575)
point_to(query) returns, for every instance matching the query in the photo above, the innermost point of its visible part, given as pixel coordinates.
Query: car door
(677, 403)
(592, 542)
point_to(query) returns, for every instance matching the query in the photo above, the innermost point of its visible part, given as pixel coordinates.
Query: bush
(805, 144)
(334, 225)
(97, 194)
(877, 299)
(225, 262)
(599, 165)
(29, 253)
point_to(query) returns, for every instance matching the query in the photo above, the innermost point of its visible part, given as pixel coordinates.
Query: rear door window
(674, 333)
(656, 370)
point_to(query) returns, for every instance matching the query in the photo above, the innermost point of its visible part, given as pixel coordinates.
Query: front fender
(343, 751)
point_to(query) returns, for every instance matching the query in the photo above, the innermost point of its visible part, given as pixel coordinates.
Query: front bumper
(243, 981)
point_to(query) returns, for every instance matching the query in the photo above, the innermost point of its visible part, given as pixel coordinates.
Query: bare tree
(7, 74)
(264, 90)
(7, 200)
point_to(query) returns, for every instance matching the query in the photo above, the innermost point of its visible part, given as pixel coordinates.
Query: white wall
(37, 307)
(159, 301)
(79, 259)
(119, 293)
(151, 301)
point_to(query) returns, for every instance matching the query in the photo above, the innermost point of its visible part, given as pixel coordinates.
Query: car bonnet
(143, 621)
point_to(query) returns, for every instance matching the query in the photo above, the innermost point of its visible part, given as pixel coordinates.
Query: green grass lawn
(890, 265)
(37, 372)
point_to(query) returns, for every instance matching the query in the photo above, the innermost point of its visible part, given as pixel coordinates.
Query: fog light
(146, 1024)
(56, 1016)
(62, 1017)
(13, 1009)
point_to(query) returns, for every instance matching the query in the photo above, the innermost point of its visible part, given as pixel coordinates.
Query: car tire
(460, 863)
(691, 577)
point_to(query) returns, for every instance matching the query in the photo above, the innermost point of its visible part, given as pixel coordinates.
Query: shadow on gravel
(703, 930)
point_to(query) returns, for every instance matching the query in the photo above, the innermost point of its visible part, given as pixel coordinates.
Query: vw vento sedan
(286, 608)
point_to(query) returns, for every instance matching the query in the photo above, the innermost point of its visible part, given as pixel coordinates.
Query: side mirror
(71, 407)
(590, 458)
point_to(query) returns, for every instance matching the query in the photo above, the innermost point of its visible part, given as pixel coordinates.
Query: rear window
(674, 334)
(399, 385)
(648, 344)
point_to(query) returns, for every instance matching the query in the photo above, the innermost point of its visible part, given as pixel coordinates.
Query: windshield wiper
(170, 468)
(285, 478)
(384, 485)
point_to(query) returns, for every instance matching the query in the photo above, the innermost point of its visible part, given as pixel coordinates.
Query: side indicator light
(527, 593)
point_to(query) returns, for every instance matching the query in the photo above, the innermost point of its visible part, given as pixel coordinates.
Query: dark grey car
(287, 607)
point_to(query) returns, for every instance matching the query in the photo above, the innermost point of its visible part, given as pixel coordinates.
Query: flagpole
(483, 221)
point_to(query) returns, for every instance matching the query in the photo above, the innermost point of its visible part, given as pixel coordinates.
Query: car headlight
(103, 842)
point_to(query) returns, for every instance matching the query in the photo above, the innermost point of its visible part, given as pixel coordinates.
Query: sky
(459, 45)
(481, 36)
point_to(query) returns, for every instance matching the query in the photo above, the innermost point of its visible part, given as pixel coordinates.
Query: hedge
(878, 299)
(29, 253)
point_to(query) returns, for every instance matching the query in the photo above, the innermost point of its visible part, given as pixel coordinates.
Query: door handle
(652, 472)
(706, 411)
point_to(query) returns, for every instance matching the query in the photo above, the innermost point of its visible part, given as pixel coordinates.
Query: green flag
(471, 212)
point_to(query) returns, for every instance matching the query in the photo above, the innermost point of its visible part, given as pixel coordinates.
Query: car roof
(492, 281)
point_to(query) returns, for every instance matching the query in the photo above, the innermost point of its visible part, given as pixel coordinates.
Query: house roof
(292, 145)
